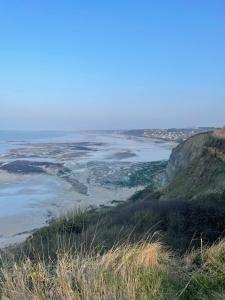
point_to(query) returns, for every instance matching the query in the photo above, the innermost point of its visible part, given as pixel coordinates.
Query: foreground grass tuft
(139, 271)
(125, 272)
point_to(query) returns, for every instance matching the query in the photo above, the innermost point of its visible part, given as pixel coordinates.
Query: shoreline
(49, 179)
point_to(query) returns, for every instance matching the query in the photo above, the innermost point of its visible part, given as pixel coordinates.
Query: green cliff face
(196, 167)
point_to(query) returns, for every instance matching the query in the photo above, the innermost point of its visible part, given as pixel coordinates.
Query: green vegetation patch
(143, 174)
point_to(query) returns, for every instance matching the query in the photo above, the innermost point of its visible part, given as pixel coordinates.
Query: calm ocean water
(15, 136)
(10, 139)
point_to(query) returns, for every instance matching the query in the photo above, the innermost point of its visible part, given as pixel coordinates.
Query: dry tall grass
(145, 271)
(125, 272)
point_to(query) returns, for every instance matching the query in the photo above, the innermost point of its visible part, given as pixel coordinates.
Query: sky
(115, 64)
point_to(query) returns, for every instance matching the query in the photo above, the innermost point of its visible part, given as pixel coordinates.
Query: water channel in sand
(45, 175)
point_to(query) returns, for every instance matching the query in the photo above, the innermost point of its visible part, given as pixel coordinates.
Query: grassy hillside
(115, 253)
(141, 271)
(179, 223)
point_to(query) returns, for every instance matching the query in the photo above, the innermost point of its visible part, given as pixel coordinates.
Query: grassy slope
(141, 271)
(178, 223)
(83, 253)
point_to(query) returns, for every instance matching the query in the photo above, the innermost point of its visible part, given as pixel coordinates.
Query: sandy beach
(46, 178)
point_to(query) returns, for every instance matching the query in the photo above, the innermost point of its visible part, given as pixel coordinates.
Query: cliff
(197, 166)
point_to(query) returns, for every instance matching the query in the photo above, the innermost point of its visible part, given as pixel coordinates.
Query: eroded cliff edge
(197, 166)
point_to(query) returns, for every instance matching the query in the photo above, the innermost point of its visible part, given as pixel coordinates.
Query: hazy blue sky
(76, 64)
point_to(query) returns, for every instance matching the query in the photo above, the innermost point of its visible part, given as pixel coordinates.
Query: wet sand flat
(43, 179)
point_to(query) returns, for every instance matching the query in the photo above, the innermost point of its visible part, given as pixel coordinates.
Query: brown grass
(144, 271)
(115, 275)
